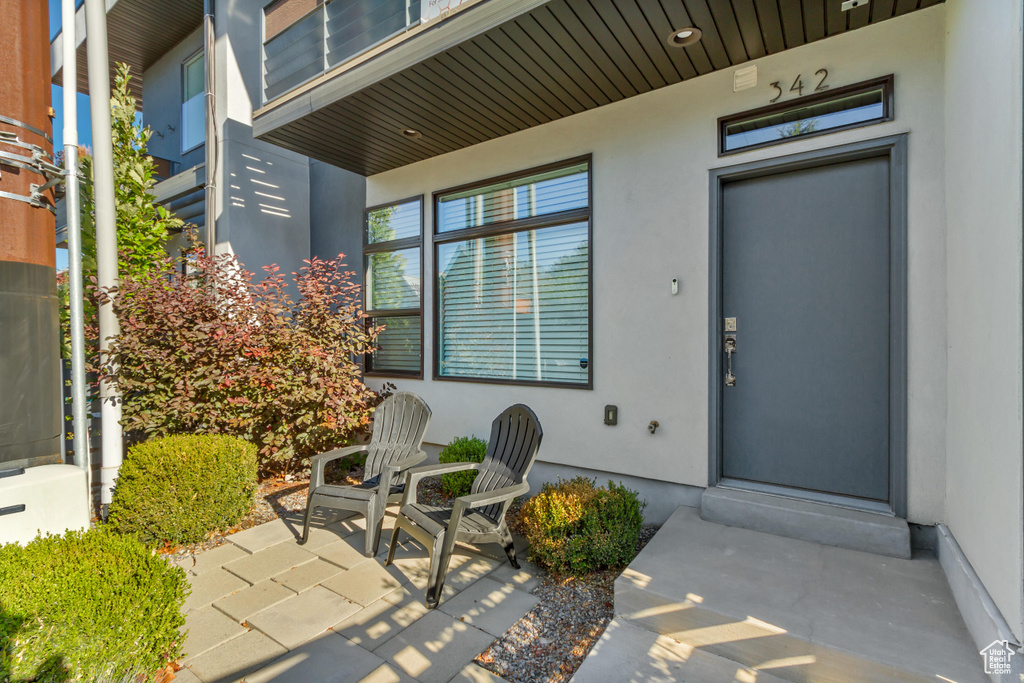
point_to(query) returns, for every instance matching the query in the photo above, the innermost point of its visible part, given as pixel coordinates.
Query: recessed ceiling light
(684, 37)
(411, 133)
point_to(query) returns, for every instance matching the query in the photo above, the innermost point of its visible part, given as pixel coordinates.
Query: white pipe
(209, 45)
(79, 404)
(106, 231)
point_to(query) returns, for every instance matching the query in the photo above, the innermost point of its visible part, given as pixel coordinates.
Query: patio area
(264, 608)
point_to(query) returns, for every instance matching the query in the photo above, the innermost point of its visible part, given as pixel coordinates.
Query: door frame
(894, 148)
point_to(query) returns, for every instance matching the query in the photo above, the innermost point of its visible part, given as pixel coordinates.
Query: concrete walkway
(706, 603)
(264, 608)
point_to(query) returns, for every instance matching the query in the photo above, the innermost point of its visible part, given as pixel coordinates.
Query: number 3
(776, 98)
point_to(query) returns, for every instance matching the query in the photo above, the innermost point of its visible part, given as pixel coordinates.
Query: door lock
(730, 348)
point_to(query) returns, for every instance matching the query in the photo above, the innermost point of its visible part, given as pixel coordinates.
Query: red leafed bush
(215, 352)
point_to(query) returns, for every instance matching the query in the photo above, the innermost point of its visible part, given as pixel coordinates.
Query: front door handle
(730, 348)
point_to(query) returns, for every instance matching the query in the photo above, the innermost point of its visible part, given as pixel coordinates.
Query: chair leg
(392, 546)
(508, 545)
(440, 556)
(374, 524)
(305, 523)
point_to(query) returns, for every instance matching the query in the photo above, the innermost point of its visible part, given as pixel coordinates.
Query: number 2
(776, 98)
(821, 83)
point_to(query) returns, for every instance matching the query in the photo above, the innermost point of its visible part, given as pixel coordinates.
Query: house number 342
(798, 84)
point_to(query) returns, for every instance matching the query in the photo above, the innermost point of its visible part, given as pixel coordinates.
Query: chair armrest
(413, 476)
(318, 462)
(390, 471)
(476, 500)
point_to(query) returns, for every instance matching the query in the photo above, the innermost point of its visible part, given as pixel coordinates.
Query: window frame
(886, 83)
(506, 227)
(198, 54)
(384, 247)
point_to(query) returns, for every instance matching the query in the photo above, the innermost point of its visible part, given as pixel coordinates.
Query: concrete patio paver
(211, 559)
(379, 622)
(264, 535)
(210, 586)
(305, 576)
(526, 578)
(236, 658)
(474, 673)
(364, 584)
(344, 553)
(435, 648)
(256, 598)
(302, 617)
(269, 562)
(490, 606)
(207, 629)
(328, 658)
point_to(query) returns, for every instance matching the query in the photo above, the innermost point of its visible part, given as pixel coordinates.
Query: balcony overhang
(502, 66)
(139, 32)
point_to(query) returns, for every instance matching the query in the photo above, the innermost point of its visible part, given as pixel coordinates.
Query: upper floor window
(193, 119)
(392, 284)
(304, 38)
(513, 279)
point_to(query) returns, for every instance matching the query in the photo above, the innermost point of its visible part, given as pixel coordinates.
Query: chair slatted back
(399, 424)
(511, 450)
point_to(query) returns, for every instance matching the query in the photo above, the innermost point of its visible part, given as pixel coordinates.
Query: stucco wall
(984, 507)
(263, 190)
(651, 156)
(161, 106)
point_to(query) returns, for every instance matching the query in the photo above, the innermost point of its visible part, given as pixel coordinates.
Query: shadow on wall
(252, 186)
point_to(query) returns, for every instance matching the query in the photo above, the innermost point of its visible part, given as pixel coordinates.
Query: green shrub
(461, 449)
(574, 526)
(88, 606)
(177, 489)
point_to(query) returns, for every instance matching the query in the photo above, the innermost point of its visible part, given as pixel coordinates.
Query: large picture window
(392, 284)
(512, 259)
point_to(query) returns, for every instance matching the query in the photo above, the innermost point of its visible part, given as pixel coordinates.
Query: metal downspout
(106, 233)
(209, 46)
(79, 406)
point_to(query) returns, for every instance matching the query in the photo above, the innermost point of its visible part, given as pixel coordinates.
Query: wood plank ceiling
(565, 57)
(139, 32)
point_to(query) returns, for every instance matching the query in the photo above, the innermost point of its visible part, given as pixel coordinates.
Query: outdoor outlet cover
(611, 415)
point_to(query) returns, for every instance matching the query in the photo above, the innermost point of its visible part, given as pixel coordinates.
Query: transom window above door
(513, 279)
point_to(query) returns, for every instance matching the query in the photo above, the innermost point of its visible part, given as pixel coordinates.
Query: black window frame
(887, 84)
(372, 316)
(504, 228)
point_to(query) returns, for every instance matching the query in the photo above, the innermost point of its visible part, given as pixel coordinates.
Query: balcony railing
(333, 33)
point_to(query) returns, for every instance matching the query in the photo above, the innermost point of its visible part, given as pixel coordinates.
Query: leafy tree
(142, 225)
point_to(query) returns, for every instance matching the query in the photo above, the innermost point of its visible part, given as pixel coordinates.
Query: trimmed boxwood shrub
(177, 489)
(461, 449)
(88, 606)
(576, 527)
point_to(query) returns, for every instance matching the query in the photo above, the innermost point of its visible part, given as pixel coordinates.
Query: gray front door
(805, 273)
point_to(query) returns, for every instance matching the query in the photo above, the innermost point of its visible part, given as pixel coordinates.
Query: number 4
(798, 86)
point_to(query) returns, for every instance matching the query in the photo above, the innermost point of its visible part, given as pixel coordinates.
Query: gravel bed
(546, 645)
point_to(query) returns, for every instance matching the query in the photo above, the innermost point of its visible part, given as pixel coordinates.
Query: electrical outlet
(853, 4)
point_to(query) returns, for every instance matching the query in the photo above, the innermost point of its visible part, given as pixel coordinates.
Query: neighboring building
(809, 274)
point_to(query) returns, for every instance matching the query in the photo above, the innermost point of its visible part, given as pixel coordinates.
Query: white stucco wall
(984, 505)
(651, 156)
